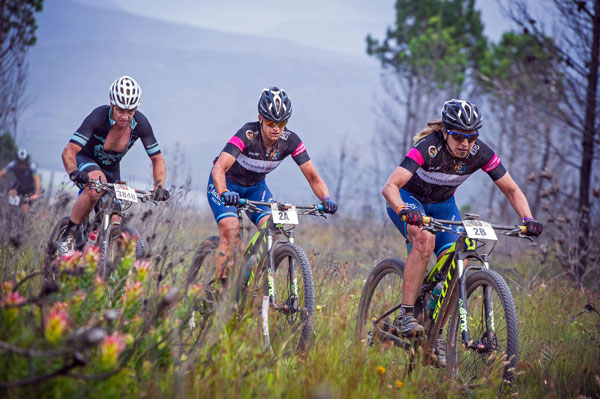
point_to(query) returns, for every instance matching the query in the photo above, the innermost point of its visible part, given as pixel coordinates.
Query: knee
(424, 243)
(229, 232)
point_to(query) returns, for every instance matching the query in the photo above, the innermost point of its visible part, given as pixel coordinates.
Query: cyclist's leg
(229, 231)
(259, 192)
(88, 198)
(422, 243)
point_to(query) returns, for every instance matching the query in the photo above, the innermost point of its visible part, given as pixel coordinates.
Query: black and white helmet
(274, 105)
(125, 93)
(22, 154)
(461, 114)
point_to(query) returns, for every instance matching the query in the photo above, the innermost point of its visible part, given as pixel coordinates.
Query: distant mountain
(199, 87)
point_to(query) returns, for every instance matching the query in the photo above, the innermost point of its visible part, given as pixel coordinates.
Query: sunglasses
(273, 123)
(460, 137)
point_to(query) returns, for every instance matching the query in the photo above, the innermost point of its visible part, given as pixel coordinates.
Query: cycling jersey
(253, 162)
(24, 184)
(92, 134)
(437, 173)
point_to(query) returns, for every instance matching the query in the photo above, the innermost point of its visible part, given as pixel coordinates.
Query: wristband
(400, 207)
(325, 198)
(527, 219)
(222, 191)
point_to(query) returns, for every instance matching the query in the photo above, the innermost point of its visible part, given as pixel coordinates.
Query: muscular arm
(159, 170)
(515, 196)
(69, 155)
(391, 190)
(314, 180)
(222, 165)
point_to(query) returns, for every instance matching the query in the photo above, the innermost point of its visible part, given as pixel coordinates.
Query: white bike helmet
(125, 93)
(22, 155)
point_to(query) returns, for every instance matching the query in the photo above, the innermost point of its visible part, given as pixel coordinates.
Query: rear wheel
(287, 324)
(374, 322)
(492, 324)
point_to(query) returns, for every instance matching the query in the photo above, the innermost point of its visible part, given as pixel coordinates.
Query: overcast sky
(339, 25)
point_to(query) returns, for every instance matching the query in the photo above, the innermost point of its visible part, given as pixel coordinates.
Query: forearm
(391, 193)
(38, 182)
(319, 187)
(159, 171)
(69, 160)
(519, 203)
(218, 176)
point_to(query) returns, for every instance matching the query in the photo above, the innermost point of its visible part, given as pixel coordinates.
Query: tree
(17, 35)
(426, 57)
(576, 43)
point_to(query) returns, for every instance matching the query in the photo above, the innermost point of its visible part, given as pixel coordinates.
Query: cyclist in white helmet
(96, 148)
(27, 180)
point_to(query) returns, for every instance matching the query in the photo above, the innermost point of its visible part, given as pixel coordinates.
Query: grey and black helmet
(275, 105)
(461, 114)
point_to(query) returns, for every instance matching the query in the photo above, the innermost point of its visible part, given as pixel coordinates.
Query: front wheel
(57, 232)
(287, 323)
(111, 249)
(492, 323)
(202, 269)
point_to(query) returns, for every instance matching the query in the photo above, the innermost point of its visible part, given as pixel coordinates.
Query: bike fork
(462, 299)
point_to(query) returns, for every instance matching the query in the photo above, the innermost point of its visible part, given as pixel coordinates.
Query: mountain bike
(482, 334)
(106, 226)
(275, 277)
(13, 214)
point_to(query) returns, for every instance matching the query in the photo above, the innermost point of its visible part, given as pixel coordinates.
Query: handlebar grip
(523, 229)
(426, 219)
(242, 201)
(320, 208)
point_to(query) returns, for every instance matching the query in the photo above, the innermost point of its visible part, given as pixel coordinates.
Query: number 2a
(283, 216)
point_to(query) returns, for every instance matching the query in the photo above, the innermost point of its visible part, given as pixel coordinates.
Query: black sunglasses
(460, 137)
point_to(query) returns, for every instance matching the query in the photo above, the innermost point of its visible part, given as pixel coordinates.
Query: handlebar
(281, 205)
(437, 225)
(99, 186)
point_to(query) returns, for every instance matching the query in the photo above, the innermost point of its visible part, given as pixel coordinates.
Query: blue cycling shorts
(440, 210)
(257, 192)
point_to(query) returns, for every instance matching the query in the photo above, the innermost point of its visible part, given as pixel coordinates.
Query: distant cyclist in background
(27, 180)
(445, 154)
(96, 149)
(239, 171)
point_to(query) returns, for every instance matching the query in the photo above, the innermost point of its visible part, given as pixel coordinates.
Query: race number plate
(125, 193)
(14, 200)
(288, 216)
(477, 229)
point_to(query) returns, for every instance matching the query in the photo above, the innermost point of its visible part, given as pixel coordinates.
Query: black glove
(413, 216)
(160, 194)
(534, 228)
(329, 205)
(79, 177)
(230, 198)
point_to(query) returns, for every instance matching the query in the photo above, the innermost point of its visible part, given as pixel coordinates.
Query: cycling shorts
(257, 192)
(87, 164)
(440, 210)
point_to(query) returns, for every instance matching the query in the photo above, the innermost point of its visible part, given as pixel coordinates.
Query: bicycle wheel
(57, 231)
(287, 324)
(382, 293)
(492, 324)
(110, 251)
(202, 269)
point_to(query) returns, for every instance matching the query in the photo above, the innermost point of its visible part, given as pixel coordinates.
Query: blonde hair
(432, 127)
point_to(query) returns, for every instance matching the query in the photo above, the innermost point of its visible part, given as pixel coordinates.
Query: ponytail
(432, 127)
